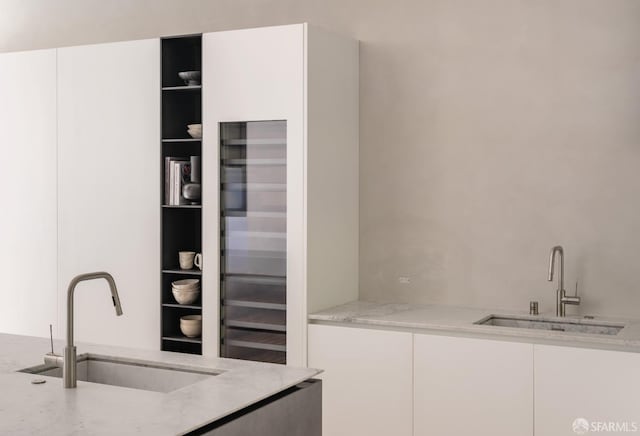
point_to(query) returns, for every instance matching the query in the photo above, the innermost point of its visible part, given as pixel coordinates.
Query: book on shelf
(182, 176)
(177, 173)
(168, 179)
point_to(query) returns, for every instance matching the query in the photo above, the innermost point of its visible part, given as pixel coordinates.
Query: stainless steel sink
(565, 325)
(150, 376)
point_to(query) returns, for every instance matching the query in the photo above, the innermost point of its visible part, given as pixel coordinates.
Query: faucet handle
(572, 299)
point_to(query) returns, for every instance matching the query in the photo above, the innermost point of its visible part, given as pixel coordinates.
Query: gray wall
(491, 130)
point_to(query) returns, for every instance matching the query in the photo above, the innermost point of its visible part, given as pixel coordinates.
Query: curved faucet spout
(552, 261)
(69, 370)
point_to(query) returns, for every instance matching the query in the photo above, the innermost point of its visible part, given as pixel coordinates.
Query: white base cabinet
(600, 389)
(367, 380)
(379, 382)
(472, 386)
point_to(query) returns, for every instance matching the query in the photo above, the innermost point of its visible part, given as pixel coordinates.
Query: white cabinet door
(472, 386)
(256, 75)
(599, 389)
(109, 190)
(308, 78)
(367, 380)
(28, 180)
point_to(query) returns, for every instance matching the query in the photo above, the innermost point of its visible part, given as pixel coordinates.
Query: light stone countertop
(97, 409)
(459, 321)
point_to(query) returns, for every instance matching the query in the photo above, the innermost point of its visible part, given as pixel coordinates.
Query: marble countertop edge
(461, 321)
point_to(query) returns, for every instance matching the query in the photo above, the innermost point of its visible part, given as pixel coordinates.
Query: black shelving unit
(181, 224)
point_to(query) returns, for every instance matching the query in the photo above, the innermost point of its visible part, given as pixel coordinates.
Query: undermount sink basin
(149, 376)
(569, 325)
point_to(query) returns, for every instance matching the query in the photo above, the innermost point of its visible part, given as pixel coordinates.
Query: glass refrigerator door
(253, 240)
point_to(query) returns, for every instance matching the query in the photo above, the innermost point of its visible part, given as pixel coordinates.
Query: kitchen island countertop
(98, 409)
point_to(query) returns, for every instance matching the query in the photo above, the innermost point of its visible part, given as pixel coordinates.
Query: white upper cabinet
(599, 388)
(109, 190)
(28, 180)
(305, 81)
(472, 386)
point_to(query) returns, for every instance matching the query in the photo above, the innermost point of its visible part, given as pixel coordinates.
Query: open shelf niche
(181, 218)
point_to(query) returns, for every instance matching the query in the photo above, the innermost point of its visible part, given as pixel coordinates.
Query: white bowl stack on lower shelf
(186, 291)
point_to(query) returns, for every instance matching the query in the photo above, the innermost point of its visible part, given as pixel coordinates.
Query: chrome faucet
(561, 295)
(69, 375)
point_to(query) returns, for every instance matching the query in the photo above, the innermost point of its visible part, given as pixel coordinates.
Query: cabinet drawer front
(601, 387)
(472, 386)
(367, 380)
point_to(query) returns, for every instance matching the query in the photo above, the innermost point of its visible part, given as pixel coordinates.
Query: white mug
(197, 259)
(186, 259)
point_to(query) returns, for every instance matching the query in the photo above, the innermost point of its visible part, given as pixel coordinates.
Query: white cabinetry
(82, 160)
(28, 181)
(472, 386)
(602, 387)
(367, 380)
(469, 386)
(308, 79)
(109, 162)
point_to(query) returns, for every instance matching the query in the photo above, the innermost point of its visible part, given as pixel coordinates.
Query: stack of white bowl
(194, 130)
(186, 291)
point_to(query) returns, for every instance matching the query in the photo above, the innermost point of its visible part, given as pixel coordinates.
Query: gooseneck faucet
(69, 375)
(561, 295)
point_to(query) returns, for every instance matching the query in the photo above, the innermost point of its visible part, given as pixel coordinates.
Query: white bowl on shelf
(191, 78)
(194, 130)
(186, 296)
(186, 284)
(191, 325)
